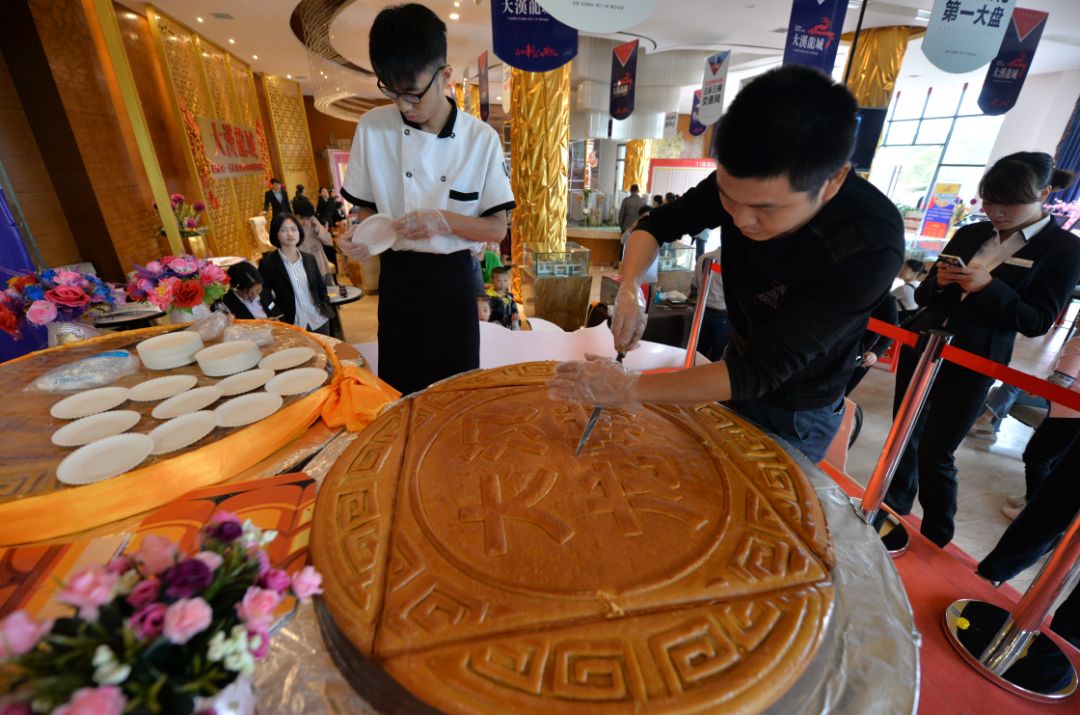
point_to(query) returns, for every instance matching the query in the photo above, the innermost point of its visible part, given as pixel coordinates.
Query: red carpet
(934, 578)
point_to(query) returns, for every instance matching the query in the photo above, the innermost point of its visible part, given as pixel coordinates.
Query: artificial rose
(155, 554)
(41, 312)
(186, 578)
(188, 294)
(16, 709)
(9, 321)
(221, 517)
(182, 265)
(227, 531)
(161, 296)
(106, 700)
(212, 560)
(19, 282)
(177, 198)
(69, 278)
(149, 621)
(19, 633)
(71, 296)
(275, 580)
(153, 268)
(186, 618)
(306, 582)
(262, 557)
(199, 206)
(257, 608)
(191, 223)
(119, 565)
(144, 592)
(259, 644)
(88, 590)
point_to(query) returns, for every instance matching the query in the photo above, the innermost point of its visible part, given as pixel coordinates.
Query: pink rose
(69, 278)
(262, 557)
(41, 312)
(19, 633)
(275, 580)
(149, 621)
(71, 296)
(88, 590)
(215, 273)
(187, 617)
(106, 700)
(182, 266)
(119, 565)
(145, 592)
(306, 583)
(257, 608)
(16, 709)
(221, 516)
(153, 267)
(191, 223)
(155, 554)
(177, 198)
(260, 644)
(199, 206)
(210, 559)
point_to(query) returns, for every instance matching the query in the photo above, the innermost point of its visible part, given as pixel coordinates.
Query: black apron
(428, 325)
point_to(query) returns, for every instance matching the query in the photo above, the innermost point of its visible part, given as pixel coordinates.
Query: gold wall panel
(285, 103)
(636, 171)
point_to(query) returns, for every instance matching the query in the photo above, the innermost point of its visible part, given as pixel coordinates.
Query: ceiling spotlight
(254, 57)
(232, 41)
(455, 16)
(498, 99)
(198, 19)
(288, 76)
(457, 4)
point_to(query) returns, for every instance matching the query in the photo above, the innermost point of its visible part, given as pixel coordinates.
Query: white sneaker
(1011, 512)
(1016, 501)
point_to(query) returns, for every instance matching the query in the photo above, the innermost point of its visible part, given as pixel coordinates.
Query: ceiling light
(232, 41)
(131, 16)
(456, 3)
(288, 76)
(198, 19)
(498, 99)
(254, 57)
(455, 16)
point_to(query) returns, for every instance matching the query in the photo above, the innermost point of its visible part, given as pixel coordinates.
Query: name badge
(1019, 262)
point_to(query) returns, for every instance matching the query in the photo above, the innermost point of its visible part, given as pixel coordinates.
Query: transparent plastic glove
(597, 381)
(421, 225)
(355, 251)
(628, 322)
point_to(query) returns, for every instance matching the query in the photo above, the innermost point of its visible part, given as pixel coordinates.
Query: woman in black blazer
(1020, 270)
(310, 310)
(246, 299)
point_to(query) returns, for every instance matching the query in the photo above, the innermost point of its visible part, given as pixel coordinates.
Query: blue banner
(526, 37)
(623, 79)
(696, 127)
(1006, 74)
(482, 80)
(814, 33)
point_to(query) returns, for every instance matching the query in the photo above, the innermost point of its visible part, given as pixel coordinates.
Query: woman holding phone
(1011, 274)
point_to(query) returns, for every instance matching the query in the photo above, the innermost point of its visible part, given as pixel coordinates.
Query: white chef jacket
(395, 168)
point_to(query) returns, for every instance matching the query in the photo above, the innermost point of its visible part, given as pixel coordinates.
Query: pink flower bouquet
(181, 282)
(187, 215)
(52, 296)
(154, 629)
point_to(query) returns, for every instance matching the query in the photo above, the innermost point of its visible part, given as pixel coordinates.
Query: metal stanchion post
(699, 314)
(969, 623)
(900, 434)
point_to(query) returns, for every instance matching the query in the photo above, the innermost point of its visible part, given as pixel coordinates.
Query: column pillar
(636, 169)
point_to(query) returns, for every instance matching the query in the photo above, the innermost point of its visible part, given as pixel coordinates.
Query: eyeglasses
(409, 97)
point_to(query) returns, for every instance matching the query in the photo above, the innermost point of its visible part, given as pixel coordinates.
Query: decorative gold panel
(638, 153)
(878, 57)
(286, 105)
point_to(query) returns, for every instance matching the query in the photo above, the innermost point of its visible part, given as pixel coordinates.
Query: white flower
(241, 663)
(126, 583)
(254, 536)
(220, 647)
(108, 671)
(217, 649)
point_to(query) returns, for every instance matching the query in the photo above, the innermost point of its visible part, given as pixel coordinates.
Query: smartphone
(952, 261)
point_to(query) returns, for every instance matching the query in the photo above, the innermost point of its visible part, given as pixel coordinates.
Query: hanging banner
(712, 87)
(963, 35)
(671, 124)
(482, 80)
(602, 16)
(696, 127)
(525, 36)
(623, 79)
(814, 33)
(939, 211)
(1006, 74)
(232, 150)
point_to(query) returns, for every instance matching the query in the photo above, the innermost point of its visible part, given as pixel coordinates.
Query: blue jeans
(1004, 397)
(809, 431)
(715, 334)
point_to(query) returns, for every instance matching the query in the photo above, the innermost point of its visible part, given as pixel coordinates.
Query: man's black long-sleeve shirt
(798, 303)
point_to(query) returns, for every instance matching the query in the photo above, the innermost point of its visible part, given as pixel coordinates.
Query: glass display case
(675, 257)
(573, 261)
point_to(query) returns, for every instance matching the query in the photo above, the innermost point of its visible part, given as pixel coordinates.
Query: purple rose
(227, 531)
(186, 578)
(149, 621)
(275, 580)
(199, 206)
(145, 592)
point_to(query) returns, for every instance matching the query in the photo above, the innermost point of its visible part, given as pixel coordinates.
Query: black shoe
(896, 539)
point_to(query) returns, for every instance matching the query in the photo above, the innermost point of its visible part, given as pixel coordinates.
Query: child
(244, 299)
(500, 290)
(483, 308)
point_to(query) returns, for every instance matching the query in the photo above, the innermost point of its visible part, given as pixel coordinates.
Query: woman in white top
(911, 273)
(291, 279)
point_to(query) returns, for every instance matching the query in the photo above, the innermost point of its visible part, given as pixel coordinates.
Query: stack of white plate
(164, 352)
(228, 358)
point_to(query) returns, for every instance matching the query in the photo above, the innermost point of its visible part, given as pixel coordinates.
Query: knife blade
(593, 418)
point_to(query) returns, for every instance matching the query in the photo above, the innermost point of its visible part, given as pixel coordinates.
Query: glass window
(967, 176)
(972, 140)
(904, 172)
(933, 131)
(970, 105)
(943, 100)
(909, 104)
(902, 132)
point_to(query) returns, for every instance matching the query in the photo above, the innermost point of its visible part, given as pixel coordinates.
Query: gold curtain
(474, 100)
(876, 66)
(540, 149)
(459, 96)
(638, 153)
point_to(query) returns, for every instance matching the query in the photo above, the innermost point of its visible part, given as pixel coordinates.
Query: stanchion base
(1043, 673)
(894, 536)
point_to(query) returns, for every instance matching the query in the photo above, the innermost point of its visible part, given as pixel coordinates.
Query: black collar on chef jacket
(448, 128)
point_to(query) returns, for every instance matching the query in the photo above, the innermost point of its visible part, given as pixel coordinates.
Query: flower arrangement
(178, 282)
(187, 215)
(54, 295)
(154, 630)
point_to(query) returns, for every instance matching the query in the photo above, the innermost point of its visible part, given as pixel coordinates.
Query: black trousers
(428, 329)
(1045, 449)
(927, 466)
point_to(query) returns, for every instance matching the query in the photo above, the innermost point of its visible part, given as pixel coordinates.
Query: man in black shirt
(809, 249)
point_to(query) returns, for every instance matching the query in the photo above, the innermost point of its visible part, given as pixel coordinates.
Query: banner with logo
(231, 149)
(814, 33)
(1006, 74)
(602, 16)
(963, 35)
(525, 36)
(939, 211)
(712, 87)
(696, 127)
(623, 79)
(482, 80)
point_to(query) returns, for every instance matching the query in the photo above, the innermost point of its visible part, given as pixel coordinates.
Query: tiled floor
(988, 471)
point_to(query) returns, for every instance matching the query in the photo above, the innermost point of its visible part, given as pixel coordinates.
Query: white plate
(243, 382)
(244, 410)
(161, 387)
(377, 232)
(90, 402)
(284, 359)
(294, 382)
(184, 430)
(105, 458)
(95, 427)
(186, 402)
(228, 358)
(164, 352)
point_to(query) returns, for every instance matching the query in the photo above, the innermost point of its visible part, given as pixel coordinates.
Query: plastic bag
(261, 335)
(210, 329)
(93, 371)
